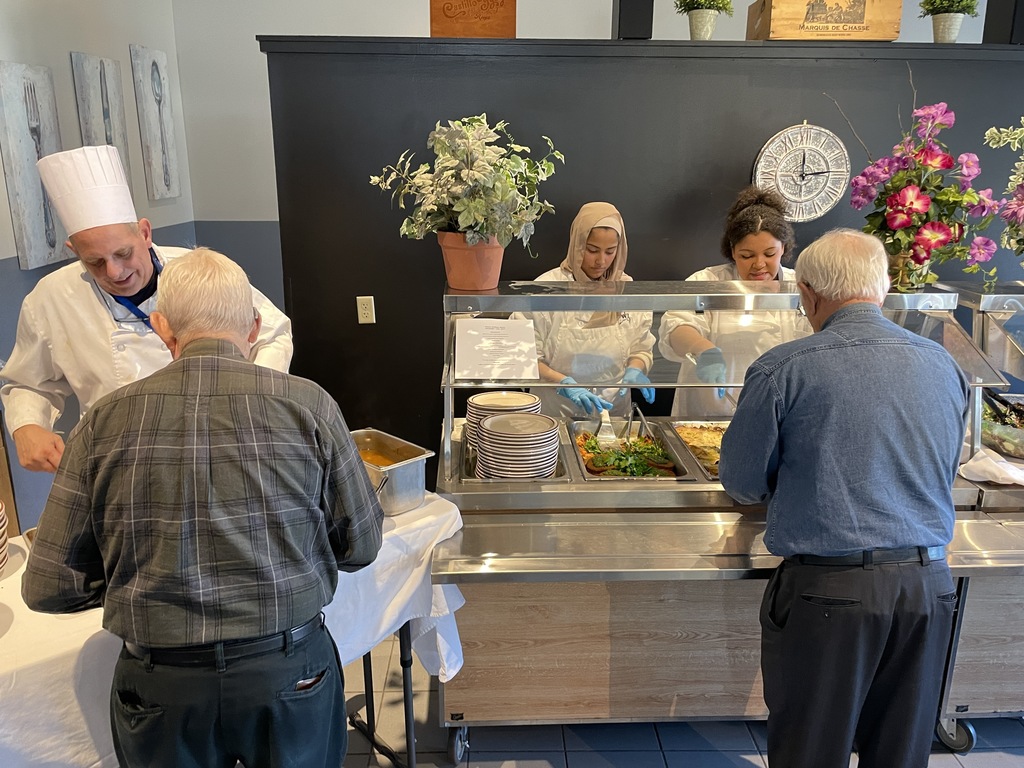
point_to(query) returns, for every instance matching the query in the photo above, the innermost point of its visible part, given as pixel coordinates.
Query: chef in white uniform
(717, 347)
(610, 348)
(84, 329)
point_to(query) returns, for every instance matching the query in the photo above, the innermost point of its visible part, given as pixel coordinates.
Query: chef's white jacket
(742, 337)
(74, 338)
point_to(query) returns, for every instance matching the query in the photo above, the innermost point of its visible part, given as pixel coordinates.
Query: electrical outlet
(364, 309)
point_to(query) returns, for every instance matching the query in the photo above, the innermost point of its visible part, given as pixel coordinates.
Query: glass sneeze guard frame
(930, 308)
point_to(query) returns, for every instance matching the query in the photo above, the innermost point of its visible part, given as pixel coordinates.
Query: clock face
(808, 165)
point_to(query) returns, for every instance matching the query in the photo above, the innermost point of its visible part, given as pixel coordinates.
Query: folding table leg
(369, 727)
(405, 656)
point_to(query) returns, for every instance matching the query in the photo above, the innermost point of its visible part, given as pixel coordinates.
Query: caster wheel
(962, 741)
(458, 743)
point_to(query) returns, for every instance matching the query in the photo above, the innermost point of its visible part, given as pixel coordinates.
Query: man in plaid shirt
(208, 509)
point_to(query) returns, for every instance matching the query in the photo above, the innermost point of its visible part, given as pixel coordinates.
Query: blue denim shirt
(852, 436)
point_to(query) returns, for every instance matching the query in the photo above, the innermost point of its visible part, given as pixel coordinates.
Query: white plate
(518, 424)
(504, 400)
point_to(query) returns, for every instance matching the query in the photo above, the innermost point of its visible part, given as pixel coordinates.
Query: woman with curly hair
(716, 347)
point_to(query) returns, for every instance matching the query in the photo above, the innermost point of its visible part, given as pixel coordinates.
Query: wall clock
(808, 165)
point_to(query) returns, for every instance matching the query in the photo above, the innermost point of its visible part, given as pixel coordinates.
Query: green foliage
(935, 7)
(482, 183)
(1013, 233)
(722, 6)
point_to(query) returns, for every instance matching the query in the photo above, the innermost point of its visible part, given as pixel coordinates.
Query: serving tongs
(645, 428)
(1007, 411)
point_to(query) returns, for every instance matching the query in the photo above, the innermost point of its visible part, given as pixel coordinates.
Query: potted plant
(947, 16)
(479, 194)
(702, 15)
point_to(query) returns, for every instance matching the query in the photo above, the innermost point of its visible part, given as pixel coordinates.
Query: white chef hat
(88, 188)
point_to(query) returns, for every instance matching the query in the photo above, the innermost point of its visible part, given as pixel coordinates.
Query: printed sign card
(473, 18)
(495, 349)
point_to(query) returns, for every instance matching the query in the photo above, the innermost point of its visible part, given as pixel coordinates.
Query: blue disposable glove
(637, 378)
(583, 398)
(711, 368)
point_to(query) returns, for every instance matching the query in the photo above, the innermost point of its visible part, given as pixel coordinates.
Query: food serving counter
(987, 673)
(635, 598)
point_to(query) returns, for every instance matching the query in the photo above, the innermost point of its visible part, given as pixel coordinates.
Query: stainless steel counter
(654, 545)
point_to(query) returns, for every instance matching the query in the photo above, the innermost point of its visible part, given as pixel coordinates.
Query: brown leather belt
(228, 650)
(922, 555)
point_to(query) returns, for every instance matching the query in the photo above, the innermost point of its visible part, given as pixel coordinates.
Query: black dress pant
(854, 655)
(196, 717)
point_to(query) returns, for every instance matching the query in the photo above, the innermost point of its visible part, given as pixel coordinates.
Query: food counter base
(605, 602)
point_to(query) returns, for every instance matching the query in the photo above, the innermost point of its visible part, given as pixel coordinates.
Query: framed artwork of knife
(28, 131)
(100, 99)
(156, 121)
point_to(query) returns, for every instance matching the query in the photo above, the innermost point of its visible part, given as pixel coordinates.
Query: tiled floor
(706, 744)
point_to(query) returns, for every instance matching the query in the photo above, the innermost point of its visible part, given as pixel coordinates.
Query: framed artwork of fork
(156, 123)
(100, 100)
(28, 131)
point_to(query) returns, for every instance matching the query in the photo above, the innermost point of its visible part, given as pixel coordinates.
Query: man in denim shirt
(852, 438)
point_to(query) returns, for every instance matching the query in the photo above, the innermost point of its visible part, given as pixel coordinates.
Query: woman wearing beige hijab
(612, 348)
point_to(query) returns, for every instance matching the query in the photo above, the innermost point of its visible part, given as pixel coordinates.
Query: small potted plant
(702, 15)
(479, 195)
(947, 16)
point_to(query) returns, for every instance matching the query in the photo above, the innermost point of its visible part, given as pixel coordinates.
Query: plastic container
(403, 463)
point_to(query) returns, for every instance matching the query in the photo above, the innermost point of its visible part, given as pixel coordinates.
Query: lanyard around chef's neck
(128, 304)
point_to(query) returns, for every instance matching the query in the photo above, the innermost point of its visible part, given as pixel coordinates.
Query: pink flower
(935, 159)
(969, 169)
(904, 148)
(919, 255)
(933, 235)
(863, 196)
(933, 118)
(1013, 213)
(898, 219)
(985, 205)
(909, 199)
(982, 249)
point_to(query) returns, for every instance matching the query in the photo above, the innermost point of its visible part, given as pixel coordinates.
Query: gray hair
(845, 264)
(205, 292)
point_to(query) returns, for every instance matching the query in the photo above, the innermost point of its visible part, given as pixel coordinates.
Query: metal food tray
(635, 430)
(708, 474)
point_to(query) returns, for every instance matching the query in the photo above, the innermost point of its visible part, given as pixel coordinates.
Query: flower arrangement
(482, 184)
(1013, 211)
(936, 7)
(722, 6)
(924, 205)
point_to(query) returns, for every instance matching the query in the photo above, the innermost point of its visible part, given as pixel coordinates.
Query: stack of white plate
(3, 537)
(484, 404)
(516, 445)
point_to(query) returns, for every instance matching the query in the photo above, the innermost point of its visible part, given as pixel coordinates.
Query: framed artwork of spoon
(156, 122)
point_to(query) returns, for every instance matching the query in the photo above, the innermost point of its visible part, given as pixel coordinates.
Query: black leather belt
(207, 655)
(922, 555)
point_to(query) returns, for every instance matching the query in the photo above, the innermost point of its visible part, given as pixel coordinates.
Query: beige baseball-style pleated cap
(88, 188)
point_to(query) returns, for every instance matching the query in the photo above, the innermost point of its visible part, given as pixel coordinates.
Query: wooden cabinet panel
(566, 652)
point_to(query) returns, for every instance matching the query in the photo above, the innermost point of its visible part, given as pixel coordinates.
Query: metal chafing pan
(708, 474)
(636, 429)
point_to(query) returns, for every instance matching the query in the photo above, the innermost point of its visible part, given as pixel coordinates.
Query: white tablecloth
(55, 671)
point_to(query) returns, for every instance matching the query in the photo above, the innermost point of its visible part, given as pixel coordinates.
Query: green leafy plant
(481, 183)
(722, 6)
(1013, 211)
(935, 7)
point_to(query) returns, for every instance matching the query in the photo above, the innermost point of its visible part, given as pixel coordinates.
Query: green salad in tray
(640, 457)
(1003, 431)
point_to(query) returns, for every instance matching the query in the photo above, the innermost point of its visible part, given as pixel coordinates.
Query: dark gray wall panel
(666, 131)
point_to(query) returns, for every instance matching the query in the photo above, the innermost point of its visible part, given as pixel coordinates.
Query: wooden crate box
(824, 19)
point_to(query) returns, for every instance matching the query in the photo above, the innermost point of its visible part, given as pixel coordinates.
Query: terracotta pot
(946, 26)
(702, 23)
(470, 267)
